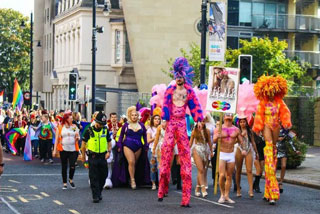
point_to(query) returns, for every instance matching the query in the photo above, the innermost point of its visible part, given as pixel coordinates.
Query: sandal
(133, 184)
(204, 193)
(196, 191)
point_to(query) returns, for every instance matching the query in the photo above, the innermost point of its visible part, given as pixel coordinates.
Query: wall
(317, 122)
(157, 30)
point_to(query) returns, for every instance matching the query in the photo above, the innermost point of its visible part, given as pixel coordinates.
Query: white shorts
(228, 157)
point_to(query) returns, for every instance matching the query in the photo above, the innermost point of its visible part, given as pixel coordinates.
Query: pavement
(307, 174)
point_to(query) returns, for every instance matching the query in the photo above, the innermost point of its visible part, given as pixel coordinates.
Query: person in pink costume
(177, 98)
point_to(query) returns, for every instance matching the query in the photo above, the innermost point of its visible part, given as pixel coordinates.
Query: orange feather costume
(266, 89)
(271, 110)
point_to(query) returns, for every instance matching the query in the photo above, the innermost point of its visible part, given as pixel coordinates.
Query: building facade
(71, 42)
(295, 21)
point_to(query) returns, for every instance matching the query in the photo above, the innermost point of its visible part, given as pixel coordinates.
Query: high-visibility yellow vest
(98, 143)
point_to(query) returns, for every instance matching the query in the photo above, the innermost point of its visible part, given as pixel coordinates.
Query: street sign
(26, 98)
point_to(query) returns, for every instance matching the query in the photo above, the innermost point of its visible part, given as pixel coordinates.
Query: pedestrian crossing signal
(245, 66)
(73, 83)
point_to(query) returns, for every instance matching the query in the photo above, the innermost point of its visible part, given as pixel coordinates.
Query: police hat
(101, 118)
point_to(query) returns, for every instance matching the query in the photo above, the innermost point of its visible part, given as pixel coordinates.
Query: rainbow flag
(85, 126)
(12, 137)
(27, 147)
(17, 96)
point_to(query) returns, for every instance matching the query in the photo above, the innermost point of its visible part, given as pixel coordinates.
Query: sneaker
(36, 156)
(95, 200)
(65, 187)
(72, 185)
(42, 160)
(51, 161)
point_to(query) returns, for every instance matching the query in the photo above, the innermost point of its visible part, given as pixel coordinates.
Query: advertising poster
(217, 31)
(223, 89)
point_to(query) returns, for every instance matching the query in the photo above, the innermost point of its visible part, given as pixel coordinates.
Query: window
(233, 13)
(245, 13)
(115, 4)
(258, 15)
(232, 42)
(117, 47)
(270, 12)
(128, 53)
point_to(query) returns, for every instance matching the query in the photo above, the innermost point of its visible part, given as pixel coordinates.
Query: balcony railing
(312, 57)
(286, 22)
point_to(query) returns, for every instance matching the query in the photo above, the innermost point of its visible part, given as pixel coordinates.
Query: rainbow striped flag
(12, 137)
(85, 126)
(17, 96)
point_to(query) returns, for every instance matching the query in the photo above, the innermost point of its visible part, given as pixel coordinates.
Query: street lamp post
(31, 57)
(94, 50)
(203, 41)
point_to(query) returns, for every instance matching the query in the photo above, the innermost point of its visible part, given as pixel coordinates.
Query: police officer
(97, 141)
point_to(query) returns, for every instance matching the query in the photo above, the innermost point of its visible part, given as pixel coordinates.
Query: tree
(268, 58)
(14, 50)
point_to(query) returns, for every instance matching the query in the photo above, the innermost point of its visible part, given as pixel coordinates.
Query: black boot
(178, 178)
(256, 184)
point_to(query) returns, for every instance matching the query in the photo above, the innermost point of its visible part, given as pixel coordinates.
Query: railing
(312, 57)
(286, 22)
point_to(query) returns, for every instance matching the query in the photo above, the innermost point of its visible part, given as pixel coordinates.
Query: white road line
(11, 175)
(33, 187)
(212, 202)
(44, 194)
(74, 211)
(13, 181)
(9, 205)
(58, 202)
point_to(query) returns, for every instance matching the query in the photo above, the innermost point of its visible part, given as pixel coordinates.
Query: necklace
(134, 126)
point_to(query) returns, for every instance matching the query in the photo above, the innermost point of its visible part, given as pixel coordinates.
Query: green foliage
(294, 160)
(14, 50)
(268, 58)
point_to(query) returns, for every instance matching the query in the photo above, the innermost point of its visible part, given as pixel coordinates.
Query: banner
(223, 89)
(217, 31)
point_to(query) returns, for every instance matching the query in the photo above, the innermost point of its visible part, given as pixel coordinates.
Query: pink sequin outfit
(176, 132)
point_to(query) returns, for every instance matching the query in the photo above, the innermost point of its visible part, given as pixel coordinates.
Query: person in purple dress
(133, 143)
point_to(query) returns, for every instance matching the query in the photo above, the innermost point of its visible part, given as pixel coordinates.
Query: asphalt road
(33, 187)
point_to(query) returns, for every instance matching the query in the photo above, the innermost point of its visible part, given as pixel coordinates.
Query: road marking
(74, 211)
(44, 194)
(8, 189)
(23, 199)
(16, 175)
(12, 199)
(13, 181)
(9, 205)
(58, 202)
(212, 202)
(33, 187)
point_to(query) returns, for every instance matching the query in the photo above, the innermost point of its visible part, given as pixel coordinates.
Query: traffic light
(73, 83)
(245, 66)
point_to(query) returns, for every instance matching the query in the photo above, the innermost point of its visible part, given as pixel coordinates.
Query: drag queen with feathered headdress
(271, 111)
(177, 98)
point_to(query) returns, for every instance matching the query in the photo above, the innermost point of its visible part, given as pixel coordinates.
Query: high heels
(204, 192)
(251, 194)
(133, 184)
(196, 191)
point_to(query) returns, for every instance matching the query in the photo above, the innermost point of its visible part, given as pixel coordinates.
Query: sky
(23, 6)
